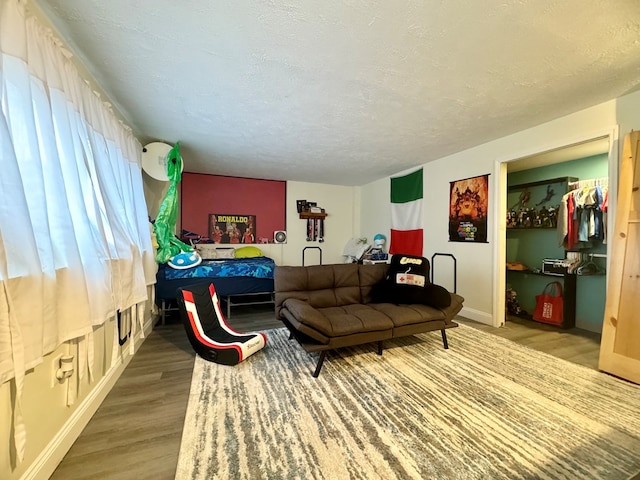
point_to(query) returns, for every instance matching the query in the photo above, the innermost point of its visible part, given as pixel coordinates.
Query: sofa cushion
(320, 285)
(339, 321)
(402, 315)
(431, 294)
(370, 276)
(456, 305)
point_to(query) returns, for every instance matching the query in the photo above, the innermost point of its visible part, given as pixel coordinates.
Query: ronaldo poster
(468, 205)
(232, 228)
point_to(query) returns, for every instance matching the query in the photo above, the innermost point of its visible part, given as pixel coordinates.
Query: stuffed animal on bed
(407, 281)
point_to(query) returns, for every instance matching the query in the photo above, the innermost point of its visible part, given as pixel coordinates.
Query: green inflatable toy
(165, 225)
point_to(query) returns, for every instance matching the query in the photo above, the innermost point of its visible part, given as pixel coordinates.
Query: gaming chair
(208, 331)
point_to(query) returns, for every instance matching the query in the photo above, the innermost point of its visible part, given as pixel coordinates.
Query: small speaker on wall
(279, 236)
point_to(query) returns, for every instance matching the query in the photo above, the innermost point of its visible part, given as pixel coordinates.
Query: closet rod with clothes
(582, 217)
(592, 182)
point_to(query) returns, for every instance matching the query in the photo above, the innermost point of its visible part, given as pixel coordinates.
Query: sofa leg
(444, 338)
(380, 347)
(323, 354)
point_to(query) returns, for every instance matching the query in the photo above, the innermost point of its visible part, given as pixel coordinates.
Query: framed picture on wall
(468, 206)
(232, 228)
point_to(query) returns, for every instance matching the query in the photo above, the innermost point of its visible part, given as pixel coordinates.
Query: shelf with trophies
(314, 215)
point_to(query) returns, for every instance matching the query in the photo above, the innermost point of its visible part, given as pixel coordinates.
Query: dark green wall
(530, 246)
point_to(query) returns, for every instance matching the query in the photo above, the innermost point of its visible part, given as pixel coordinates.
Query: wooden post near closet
(620, 346)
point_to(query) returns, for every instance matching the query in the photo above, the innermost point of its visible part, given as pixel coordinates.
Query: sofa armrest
(452, 310)
(305, 313)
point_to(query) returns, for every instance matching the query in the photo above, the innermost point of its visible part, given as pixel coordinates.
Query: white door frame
(499, 196)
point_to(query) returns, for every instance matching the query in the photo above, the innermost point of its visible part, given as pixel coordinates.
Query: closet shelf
(532, 228)
(531, 272)
(522, 186)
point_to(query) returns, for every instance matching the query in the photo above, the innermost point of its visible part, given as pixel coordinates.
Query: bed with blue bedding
(238, 281)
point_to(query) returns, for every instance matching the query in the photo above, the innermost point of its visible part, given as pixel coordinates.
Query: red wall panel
(204, 194)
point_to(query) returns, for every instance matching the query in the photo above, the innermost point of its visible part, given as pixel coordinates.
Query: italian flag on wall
(406, 214)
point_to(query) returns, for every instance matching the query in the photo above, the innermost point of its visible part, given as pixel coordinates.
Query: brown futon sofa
(330, 306)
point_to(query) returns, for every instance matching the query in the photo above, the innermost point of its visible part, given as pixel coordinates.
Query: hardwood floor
(136, 432)
(575, 345)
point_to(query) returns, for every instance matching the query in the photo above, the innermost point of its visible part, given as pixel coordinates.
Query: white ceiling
(347, 92)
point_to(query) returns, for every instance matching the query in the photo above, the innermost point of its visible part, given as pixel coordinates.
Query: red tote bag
(549, 304)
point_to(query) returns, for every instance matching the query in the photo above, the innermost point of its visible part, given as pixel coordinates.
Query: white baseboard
(477, 315)
(49, 459)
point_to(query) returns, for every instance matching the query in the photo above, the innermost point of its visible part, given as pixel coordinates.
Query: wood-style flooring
(136, 432)
(575, 345)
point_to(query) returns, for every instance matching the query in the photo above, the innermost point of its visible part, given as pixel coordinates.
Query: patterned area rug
(487, 408)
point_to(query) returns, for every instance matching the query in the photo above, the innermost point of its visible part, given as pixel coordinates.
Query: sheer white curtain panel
(74, 238)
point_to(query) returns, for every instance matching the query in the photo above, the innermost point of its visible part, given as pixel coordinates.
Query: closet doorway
(530, 190)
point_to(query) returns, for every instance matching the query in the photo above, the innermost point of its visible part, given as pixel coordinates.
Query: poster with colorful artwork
(232, 228)
(468, 206)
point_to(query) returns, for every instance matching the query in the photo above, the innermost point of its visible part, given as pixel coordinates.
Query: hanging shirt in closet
(604, 208)
(581, 217)
(585, 203)
(567, 231)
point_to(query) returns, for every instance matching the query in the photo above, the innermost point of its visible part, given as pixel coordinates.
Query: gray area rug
(487, 408)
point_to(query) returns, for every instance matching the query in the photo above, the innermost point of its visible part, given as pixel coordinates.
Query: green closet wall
(530, 246)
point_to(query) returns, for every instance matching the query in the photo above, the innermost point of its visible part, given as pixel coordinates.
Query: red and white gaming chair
(208, 331)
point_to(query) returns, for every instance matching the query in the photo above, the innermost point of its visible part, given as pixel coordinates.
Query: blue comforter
(258, 267)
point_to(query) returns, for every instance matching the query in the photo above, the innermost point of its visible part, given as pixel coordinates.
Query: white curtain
(75, 245)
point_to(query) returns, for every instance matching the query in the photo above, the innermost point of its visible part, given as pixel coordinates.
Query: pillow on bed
(206, 250)
(247, 252)
(225, 253)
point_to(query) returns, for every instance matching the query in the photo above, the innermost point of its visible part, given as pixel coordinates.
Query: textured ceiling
(347, 92)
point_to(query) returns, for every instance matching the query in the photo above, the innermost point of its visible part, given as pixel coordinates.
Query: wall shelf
(305, 215)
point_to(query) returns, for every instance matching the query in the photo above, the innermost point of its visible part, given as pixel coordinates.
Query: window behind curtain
(74, 237)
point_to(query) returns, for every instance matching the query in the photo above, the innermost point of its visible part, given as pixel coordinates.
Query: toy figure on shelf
(553, 216)
(533, 218)
(550, 194)
(376, 252)
(524, 198)
(513, 307)
(379, 241)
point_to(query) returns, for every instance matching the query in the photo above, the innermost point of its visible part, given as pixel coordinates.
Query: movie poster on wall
(232, 228)
(468, 206)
